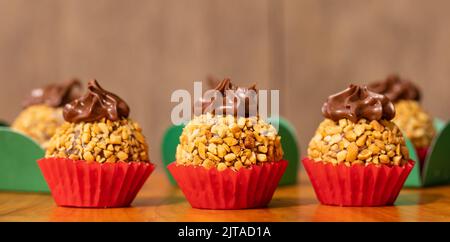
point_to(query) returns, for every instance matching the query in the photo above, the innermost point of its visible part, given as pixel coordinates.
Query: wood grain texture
(145, 49)
(330, 43)
(142, 50)
(162, 202)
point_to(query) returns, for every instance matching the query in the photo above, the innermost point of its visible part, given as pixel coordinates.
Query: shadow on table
(417, 199)
(405, 209)
(285, 202)
(169, 196)
(325, 213)
(67, 214)
(158, 201)
(136, 212)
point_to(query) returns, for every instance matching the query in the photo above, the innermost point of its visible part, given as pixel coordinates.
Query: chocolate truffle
(98, 129)
(358, 130)
(415, 122)
(42, 112)
(228, 134)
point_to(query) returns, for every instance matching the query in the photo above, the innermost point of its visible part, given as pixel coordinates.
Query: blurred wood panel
(331, 43)
(145, 49)
(141, 50)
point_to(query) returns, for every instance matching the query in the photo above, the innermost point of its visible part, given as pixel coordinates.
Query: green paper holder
(436, 170)
(288, 141)
(291, 150)
(18, 168)
(169, 147)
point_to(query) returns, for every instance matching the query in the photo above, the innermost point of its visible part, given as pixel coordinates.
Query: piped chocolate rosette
(358, 156)
(236, 155)
(411, 118)
(42, 113)
(99, 156)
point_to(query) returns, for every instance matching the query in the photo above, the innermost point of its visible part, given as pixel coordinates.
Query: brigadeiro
(357, 156)
(228, 159)
(99, 156)
(43, 108)
(411, 118)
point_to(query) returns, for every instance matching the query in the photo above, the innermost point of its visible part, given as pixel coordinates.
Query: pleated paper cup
(357, 185)
(94, 185)
(229, 189)
(422, 155)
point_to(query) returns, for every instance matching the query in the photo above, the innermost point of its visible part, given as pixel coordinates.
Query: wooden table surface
(158, 201)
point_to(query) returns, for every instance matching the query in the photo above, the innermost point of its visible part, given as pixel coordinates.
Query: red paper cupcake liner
(81, 184)
(212, 189)
(357, 185)
(422, 155)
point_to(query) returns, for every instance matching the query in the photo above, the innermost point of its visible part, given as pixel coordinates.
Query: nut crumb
(377, 142)
(101, 141)
(228, 142)
(415, 122)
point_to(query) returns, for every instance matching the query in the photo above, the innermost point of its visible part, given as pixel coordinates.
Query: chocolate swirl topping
(54, 95)
(237, 101)
(95, 105)
(355, 103)
(396, 89)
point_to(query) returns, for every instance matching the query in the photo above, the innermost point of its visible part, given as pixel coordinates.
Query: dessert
(42, 112)
(100, 151)
(358, 156)
(236, 155)
(411, 118)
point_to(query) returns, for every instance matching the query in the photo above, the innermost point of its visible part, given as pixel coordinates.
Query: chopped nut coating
(415, 122)
(102, 141)
(39, 122)
(228, 142)
(375, 142)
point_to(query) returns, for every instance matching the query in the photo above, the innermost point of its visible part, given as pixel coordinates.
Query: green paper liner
(169, 145)
(434, 168)
(291, 150)
(94, 185)
(357, 185)
(18, 168)
(212, 189)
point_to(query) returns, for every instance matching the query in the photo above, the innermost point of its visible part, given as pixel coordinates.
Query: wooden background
(143, 50)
